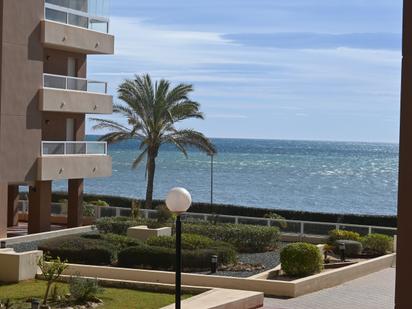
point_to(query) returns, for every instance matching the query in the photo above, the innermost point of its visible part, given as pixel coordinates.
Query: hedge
(378, 244)
(245, 238)
(78, 249)
(301, 259)
(162, 258)
(236, 210)
(119, 225)
(189, 242)
(335, 235)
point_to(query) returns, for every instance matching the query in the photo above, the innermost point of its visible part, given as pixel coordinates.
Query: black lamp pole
(178, 261)
(211, 180)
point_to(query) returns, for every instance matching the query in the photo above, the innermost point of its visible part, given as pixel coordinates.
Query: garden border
(275, 288)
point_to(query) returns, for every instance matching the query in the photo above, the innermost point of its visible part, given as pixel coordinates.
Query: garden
(238, 248)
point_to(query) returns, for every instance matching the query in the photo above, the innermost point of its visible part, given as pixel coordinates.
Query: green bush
(77, 249)
(99, 203)
(352, 248)
(245, 238)
(164, 258)
(189, 242)
(118, 241)
(163, 214)
(301, 259)
(84, 289)
(377, 244)
(335, 235)
(119, 225)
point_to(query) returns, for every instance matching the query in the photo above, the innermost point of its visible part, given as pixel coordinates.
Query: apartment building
(44, 98)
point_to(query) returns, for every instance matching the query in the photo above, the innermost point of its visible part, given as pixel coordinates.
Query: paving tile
(375, 291)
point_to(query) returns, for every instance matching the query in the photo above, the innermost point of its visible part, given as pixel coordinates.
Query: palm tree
(151, 111)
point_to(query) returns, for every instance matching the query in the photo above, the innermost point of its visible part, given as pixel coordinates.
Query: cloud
(307, 40)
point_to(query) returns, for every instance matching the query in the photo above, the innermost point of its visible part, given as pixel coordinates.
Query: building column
(13, 201)
(403, 299)
(3, 210)
(75, 203)
(39, 207)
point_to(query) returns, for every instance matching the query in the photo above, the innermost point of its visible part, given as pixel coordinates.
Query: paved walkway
(375, 291)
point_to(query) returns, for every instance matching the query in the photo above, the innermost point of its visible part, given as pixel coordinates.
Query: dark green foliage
(163, 214)
(236, 210)
(352, 248)
(77, 249)
(164, 258)
(189, 242)
(118, 241)
(335, 235)
(83, 289)
(301, 259)
(245, 238)
(378, 244)
(99, 203)
(119, 225)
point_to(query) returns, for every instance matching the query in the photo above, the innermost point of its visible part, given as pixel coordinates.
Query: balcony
(73, 160)
(74, 95)
(78, 26)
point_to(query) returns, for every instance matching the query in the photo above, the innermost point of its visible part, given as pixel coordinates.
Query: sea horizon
(318, 176)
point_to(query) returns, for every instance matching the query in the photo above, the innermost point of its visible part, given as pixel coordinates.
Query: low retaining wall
(46, 235)
(268, 287)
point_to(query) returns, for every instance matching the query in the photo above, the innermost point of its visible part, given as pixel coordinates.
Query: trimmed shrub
(119, 225)
(163, 214)
(84, 289)
(164, 258)
(99, 203)
(245, 238)
(301, 259)
(118, 241)
(77, 249)
(189, 242)
(352, 248)
(335, 235)
(378, 244)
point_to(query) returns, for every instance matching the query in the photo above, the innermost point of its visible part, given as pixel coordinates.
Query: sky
(268, 69)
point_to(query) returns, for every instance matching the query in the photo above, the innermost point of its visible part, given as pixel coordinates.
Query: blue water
(339, 177)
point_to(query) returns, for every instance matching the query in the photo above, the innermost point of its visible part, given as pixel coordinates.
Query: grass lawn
(112, 298)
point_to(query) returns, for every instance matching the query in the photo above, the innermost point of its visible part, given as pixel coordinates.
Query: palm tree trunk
(151, 166)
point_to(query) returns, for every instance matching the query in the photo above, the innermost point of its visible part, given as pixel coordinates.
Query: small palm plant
(152, 112)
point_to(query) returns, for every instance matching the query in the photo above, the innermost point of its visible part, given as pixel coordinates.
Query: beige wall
(55, 62)
(21, 78)
(54, 126)
(57, 100)
(76, 39)
(74, 167)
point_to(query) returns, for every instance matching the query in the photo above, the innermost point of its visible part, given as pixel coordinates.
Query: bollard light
(213, 264)
(178, 200)
(342, 249)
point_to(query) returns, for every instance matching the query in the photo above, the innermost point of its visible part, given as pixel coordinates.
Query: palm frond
(139, 159)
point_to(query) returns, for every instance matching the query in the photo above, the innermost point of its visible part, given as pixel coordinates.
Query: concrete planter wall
(142, 232)
(15, 267)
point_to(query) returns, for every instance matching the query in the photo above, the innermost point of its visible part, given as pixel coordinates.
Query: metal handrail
(65, 152)
(66, 82)
(68, 11)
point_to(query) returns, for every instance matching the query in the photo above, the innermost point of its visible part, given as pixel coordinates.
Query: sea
(318, 176)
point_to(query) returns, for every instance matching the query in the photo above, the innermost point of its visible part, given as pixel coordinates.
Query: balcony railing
(60, 11)
(73, 83)
(68, 148)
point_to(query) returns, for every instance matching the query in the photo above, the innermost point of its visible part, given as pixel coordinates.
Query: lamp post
(178, 201)
(211, 179)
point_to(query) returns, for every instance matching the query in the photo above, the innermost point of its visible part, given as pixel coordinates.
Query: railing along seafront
(73, 83)
(286, 226)
(67, 148)
(58, 11)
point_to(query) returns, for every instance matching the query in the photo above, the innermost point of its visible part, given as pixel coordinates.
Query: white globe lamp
(178, 200)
